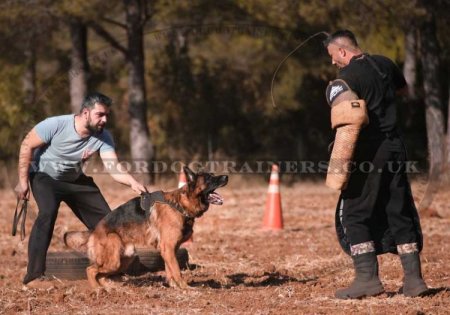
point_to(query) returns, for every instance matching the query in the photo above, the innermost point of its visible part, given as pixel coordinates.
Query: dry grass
(240, 268)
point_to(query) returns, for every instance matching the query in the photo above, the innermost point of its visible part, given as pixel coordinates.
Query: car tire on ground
(72, 265)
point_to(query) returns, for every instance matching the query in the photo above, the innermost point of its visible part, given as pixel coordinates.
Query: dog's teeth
(215, 198)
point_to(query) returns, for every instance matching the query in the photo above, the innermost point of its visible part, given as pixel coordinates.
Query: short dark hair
(339, 34)
(93, 98)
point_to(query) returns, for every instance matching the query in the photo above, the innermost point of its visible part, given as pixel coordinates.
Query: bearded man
(51, 163)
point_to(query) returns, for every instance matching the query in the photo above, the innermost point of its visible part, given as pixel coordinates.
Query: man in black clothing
(377, 201)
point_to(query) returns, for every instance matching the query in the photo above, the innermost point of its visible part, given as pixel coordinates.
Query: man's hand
(22, 190)
(120, 174)
(137, 187)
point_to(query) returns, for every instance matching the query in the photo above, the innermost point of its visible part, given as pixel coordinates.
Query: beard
(94, 129)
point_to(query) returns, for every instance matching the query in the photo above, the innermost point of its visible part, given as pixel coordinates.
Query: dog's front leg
(92, 272)
(168, 273)
(173, 272)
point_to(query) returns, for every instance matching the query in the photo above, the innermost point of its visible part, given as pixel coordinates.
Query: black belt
(380, 135)
(21, 215)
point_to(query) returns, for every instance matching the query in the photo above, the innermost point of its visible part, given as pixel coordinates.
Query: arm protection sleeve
(348, 116)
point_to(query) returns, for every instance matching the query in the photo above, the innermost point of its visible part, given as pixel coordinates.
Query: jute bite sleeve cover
(348, 116)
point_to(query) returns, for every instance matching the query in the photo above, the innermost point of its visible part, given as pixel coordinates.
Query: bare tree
(29, 74)
(434, 108)
(79, 67)
(447, 165)
(136, 15)
(409, 67)
(447, 143)
(141, 148)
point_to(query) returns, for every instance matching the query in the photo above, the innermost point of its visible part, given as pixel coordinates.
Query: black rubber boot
(366, 282)
(413, 284)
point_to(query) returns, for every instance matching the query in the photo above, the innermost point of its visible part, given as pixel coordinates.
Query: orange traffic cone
(273, 217)
(182, 179)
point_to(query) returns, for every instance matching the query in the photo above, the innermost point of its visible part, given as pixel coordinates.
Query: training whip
(285, 58)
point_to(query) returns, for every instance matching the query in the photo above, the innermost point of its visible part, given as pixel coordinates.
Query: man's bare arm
(31, 142)
(120, 174)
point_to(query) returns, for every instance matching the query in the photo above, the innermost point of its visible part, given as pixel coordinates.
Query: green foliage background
(209, 67)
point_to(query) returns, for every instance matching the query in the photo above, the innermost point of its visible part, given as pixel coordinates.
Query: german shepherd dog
(162, 219)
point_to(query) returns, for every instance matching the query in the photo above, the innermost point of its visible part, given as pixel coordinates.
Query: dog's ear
(190, 175)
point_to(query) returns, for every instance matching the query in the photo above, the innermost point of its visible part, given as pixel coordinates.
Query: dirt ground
(239, 267)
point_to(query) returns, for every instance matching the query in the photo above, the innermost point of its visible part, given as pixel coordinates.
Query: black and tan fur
(111, 246)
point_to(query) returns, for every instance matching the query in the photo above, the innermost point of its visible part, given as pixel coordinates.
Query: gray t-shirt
(65, 151)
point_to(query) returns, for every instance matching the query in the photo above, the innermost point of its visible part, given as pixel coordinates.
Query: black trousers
(379, 193)
(82, 196)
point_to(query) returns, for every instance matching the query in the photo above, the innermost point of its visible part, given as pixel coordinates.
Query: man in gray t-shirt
(65, 150)
(50, 161)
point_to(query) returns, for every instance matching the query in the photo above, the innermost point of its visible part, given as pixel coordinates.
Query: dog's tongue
(215, 198)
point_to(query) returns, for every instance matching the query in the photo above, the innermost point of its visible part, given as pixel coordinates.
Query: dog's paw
(110, 283)
(183, 285)
(99, 292)
(179, 284)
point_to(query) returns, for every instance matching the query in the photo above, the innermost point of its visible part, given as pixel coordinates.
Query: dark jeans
(82, 196)
(381, 195)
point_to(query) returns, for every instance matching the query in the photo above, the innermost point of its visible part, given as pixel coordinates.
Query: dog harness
(148, 200)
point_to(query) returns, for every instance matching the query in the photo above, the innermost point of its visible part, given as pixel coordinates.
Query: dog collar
(148, 199)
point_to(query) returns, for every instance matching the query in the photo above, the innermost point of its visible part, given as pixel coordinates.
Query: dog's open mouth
(215, 199)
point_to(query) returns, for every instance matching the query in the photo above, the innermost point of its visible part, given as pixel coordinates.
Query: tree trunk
(409, 67)
(447, 145)
(433, 105)
(141, 147)
(29, 76)
(447, 165)
(29, 85)
(79, 68)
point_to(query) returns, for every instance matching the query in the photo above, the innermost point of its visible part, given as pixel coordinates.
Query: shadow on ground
(267, 279)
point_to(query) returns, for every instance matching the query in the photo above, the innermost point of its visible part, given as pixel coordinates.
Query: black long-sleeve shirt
(375, 79)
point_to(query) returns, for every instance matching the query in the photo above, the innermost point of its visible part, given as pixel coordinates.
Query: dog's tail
(77, 240)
